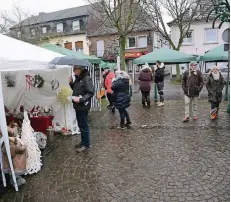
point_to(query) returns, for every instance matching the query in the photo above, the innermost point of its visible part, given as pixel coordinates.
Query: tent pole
(3, 126)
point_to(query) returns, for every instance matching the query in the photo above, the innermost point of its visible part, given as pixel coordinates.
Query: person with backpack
(192, 84)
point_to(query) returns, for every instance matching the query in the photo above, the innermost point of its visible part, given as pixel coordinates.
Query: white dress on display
(34, 162)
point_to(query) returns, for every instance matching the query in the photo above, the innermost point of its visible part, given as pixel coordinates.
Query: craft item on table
(41, 139)
(10, 80)
(18, 115)
(37, 81)
(28, 82)
(55, 85)
(34, 154)
(35, 113)
(62, 97)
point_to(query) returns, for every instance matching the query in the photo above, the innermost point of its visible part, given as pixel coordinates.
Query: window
(188, 39)
(19, 34)
(210, 35)
(76, 25)
(100, 48)
(60, 27)
(44, 30)
(142, 42)
(68, 45)
(32, 32)
(131, 42)
(79, 46)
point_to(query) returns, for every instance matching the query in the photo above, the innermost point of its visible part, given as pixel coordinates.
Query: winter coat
(159, 74)
(82, 87)
(215, 88)
(121, 93)
(19, 156)
(145, 79)
(108, 81)
(192, 84)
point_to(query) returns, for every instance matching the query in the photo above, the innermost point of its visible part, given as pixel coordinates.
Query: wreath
(10, 82)
(55, 85)
(37, 81)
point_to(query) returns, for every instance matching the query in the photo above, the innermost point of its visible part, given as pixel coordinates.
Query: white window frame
(58, 27)
(32, 31)
(137, 41)
(189, 43)
(74, 24)
(209, 42)
(44, 28)
(19, 34)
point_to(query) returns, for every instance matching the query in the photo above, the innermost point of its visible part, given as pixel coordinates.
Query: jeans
(214, 108)
(124, 116)
(145, 97)
(190, 102)
(160, 87)
(82, 118)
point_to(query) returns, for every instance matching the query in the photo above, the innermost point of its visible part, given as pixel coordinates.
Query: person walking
(108, 84)
(192, 84)
(120, 88)
(145, 79)
(159, 80)
(83, 91)
(215, 83)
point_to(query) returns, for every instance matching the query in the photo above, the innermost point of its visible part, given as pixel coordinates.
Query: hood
(121, 75)
(146, 68)
(162, 65)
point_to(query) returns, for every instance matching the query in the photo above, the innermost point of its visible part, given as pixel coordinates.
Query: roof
(57, 15)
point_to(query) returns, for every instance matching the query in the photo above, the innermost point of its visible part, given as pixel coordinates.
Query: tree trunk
(178, 72)
(122, 52)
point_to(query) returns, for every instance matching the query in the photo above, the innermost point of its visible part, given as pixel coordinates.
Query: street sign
(226, 35)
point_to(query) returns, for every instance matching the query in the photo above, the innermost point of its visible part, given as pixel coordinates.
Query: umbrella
(71, 61)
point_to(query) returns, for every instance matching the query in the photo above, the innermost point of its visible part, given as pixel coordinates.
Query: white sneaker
(157, 103)
(160, 104)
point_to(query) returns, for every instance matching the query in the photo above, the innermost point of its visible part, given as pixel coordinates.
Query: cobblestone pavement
(159, 159)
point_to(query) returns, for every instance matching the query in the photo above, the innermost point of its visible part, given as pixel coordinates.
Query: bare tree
(119, 17)
(183, 13)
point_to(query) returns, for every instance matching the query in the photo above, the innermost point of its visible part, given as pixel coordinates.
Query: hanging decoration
(37, 81)
(55, 85)
(10, 80)
(28, 82)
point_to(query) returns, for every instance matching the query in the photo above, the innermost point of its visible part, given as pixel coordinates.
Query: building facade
(67, 28)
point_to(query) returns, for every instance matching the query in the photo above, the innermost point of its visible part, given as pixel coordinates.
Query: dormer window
(60, 27)
(76, 25)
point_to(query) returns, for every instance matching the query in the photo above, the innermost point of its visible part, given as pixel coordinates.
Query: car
(223, 70)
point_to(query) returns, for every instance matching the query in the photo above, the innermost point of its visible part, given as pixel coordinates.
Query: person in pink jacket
(108, 85)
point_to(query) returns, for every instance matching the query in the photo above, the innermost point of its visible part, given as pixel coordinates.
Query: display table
(41, 123)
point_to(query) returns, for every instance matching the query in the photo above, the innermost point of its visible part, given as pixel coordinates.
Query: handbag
(101, 93)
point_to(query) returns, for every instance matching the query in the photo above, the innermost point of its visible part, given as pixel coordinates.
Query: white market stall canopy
(16, 50)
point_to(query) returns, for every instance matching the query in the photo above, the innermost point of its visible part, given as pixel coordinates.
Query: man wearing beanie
(192, 84)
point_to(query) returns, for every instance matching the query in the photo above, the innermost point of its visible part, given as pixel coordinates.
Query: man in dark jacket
(83, 91)
(215, 84)
(159, 80)
(192, 84)
(145, 79)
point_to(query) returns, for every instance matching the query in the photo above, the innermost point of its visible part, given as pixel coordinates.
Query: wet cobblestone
(159, 159)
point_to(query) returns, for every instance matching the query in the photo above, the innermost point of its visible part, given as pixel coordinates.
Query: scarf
(216, 76)
(194, 71)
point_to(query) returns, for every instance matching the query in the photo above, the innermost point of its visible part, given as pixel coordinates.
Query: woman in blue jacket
(121, 92)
